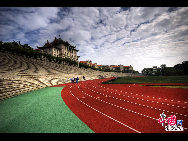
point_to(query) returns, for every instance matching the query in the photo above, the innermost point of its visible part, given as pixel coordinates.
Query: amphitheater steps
(11, 63)
(25, 66)
(16, 93)
(33, 68)
(40, 82)
(7, 65)
(45, 68)
(5, 61)
(56, 81)
(11, 88)
(22, 74)
(12, 67)
(61, 82)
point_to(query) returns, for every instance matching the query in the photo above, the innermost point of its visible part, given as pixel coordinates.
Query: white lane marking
(125, 108)
(155, 97)
(146, 105)
(154, 101)
(105, 114)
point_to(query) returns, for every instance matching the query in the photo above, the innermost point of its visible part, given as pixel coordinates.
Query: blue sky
(137, 36)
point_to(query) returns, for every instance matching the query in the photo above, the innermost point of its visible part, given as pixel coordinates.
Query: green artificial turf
(183, 87)
(149, 79)
(41, 111)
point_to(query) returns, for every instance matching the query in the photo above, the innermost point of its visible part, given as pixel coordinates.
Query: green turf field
(41, 111)
(149, 79)
(183, 87)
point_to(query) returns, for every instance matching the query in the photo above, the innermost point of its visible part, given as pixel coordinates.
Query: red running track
(125, 108)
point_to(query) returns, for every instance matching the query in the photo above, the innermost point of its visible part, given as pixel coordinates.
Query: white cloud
(141, 37)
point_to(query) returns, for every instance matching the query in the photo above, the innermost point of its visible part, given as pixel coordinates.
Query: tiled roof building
(119, 68)
(60, 48)
(89, 63)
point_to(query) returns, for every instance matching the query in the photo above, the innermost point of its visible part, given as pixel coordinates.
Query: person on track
(72, 80)
(77, 80)
(67, 79)
(84, 78)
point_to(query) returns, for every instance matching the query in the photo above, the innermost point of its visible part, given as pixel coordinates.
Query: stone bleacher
(19, 74)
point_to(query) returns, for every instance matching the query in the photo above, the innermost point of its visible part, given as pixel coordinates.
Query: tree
(163, 69)
(185, 67)
(169, 71)
(158, 72)
(1, 46)
(179, 69)
(26, 46)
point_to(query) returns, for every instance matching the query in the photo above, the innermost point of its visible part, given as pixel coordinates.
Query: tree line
(178, 69)
(27, 51)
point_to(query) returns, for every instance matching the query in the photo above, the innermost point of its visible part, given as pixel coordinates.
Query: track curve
(124, 108)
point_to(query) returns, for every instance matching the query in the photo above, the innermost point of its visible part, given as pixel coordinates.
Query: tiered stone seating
(20, 74)
(11, 88)
(6, 64)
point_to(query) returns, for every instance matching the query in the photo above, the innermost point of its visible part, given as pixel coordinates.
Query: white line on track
(122, 107)
(152, 101)
(155, 97)
(146, 105)
(105, 114)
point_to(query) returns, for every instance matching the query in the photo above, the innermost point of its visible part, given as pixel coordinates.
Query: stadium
(49, 89)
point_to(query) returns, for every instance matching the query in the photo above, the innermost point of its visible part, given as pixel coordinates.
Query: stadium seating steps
(20, 74)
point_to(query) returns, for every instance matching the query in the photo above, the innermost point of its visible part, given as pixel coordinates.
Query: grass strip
(41, 111)
(149, 79)
(183, 87)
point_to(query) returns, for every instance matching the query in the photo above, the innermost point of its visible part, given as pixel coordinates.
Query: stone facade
(60, 48)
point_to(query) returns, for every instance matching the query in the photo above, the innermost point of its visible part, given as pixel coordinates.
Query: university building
(89, 63)
(60, 48)
(120, 68)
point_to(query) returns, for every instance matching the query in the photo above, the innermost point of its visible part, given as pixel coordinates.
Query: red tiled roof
(83, 61)
(126, 66)
(115, 66)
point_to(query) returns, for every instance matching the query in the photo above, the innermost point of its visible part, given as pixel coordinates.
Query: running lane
(124, 108)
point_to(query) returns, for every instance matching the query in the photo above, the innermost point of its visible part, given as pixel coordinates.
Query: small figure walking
(77, 80)
(84, 78)
(67, 79)
(72, 80)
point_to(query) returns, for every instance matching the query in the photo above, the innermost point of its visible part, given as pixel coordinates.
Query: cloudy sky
(138, 36)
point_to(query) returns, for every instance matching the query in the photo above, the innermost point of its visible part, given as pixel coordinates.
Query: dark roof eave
(48, 47)
(43, 47)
